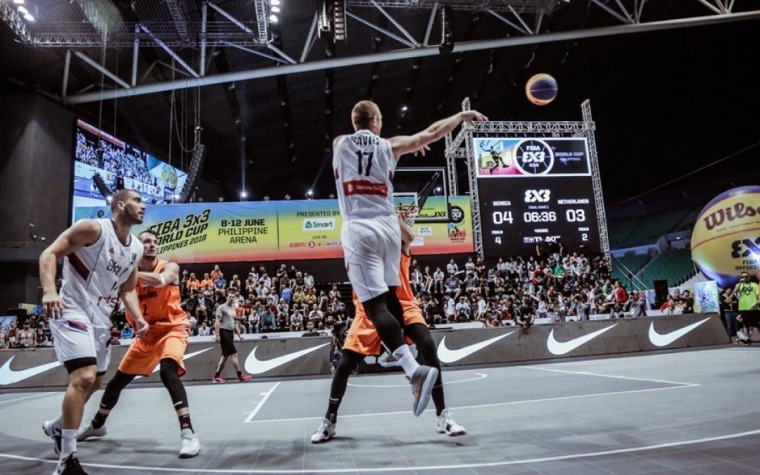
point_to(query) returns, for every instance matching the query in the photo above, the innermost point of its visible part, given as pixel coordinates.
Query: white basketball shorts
(372, 252)
(74, 336)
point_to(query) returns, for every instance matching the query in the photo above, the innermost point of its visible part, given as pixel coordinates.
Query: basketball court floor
(683, 412)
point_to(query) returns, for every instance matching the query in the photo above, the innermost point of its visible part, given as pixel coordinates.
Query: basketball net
(408, 213)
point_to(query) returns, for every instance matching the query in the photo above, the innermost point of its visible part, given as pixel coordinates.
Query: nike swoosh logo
(661, 340)
(563, 347)
(9, 376)
(254, 365)
(446, 355)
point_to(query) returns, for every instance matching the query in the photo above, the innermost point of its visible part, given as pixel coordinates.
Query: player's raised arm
(403, 144)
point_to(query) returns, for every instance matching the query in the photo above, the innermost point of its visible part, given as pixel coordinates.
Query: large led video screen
(119, 164)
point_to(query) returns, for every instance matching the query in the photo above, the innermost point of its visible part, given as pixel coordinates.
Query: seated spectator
(220, 282)
(215, 272)
(311, 297)
(452, 286)
(525, 314)
(235, 283)
(438, 281)
(452, 268)
(299, 296)
(687, 302)
(25, 338)
(204, 329)
(207, 283)
(316, 315)
(193, 283)
(296, 320)
(40, 339)
(127, 332)
(308, 280)
(267, 321)
(265, 281)
(310, 331)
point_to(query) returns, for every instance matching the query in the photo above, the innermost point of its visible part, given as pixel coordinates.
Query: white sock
(406, 359)
(68, 442)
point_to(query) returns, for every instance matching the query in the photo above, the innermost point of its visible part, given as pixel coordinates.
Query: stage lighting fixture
(18, 2)
(23, 10)
(287, 197)
(273, 18)
(244, 194)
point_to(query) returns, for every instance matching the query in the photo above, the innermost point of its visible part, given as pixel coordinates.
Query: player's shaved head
(363, 113)
(122, 195)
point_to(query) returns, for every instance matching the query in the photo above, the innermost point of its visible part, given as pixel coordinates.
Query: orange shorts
(362, 337)
(146, 353)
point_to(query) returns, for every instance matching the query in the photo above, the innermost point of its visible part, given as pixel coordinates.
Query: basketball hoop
(408, 213)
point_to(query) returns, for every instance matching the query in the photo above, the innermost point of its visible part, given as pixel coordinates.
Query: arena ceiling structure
(265, 85)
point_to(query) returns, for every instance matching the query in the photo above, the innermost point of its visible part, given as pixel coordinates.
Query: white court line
(481, 406)
(406, 385)
(261, 403)
(586, 373)
(412, 469)
(27, 397)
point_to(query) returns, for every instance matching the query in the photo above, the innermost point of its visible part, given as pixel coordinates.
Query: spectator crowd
(553, 285)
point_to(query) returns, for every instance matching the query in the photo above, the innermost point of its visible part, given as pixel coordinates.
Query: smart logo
(319, 224)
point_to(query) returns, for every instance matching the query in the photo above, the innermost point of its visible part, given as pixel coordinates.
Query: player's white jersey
(364, 164)
(93, 275)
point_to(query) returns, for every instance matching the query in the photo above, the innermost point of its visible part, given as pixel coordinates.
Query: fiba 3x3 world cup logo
(534, 157)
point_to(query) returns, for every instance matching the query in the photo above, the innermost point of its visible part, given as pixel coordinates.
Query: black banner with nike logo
(310, 356)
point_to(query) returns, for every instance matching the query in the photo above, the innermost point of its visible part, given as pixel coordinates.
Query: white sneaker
(89, 432)
(48, 427)
(324, 432)
(445, 424)
(191, 446)
(69, 466)
(422, 382)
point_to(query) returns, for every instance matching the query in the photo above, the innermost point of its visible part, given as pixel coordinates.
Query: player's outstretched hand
(141, 327)
(473, 116)
(53, 304)
(422, 150)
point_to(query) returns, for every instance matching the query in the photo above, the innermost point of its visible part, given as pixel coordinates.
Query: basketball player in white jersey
(364, 165)
(99, 268)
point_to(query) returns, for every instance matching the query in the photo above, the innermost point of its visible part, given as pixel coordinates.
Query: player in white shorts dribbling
(364, 164)
(99, 268)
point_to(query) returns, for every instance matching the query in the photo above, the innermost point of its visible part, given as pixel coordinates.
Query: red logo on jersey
(364, 187)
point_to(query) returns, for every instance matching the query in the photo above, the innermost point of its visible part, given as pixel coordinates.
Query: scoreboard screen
(532, 191)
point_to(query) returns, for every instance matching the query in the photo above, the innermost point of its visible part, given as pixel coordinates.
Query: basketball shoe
(422, 381)
(191, 446)
(324, 432)
(445, 424)
(90, 432)
(50, 430)
(218, 380)
(69, 466)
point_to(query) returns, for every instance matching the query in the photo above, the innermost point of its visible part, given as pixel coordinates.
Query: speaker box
(660, 292)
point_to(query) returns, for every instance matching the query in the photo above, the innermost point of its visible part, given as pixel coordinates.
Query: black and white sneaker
(445, 424)
(69, 466)
(50, 430)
